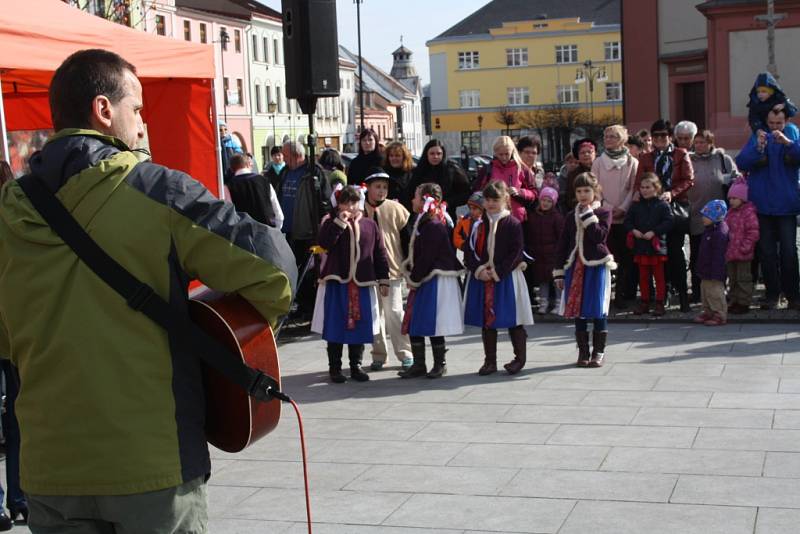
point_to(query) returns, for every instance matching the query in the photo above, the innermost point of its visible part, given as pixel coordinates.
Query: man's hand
(780, 138)
(666, 197)
(637, 234)
(762, 140)
(618, 213)
(648, 235)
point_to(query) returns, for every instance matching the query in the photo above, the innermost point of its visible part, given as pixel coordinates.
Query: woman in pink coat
(507, 166)
(742, 238)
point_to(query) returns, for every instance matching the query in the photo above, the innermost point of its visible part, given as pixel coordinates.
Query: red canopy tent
(177, 79)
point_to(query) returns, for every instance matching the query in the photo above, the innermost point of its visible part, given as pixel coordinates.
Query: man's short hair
(83, 76)
(295, 148)
(687, 127)
(239, 161)
(778, 112)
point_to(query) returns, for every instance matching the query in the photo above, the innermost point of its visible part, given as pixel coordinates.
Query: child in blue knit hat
(711, 266)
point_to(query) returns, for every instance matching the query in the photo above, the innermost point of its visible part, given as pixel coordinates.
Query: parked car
(476, 162)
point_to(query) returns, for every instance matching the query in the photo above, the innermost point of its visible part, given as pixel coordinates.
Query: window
(613, 91)
(240, 92)
(468, 60)
(187, 30)
(279, 99)
(276, 51)
(518, 96)
(203, 34)
(266, 49)
(568, 94)
(470, 98)
(255, 47)
(268, 94)
(567, 54)
(161, 25)
(257, 96)
(471, 140)
(612, 51)
(225, 90)
(223, 30)
(516, 57)
(237, 41)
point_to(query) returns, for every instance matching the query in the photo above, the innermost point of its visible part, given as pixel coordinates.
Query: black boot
(335, 363)
(598, 348)
(582, 338)
(489, 336)
(519, 341)
(439, 364)
(355, 352)
(683, 298)
(418, 368)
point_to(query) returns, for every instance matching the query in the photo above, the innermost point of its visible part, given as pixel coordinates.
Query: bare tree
(507, 117)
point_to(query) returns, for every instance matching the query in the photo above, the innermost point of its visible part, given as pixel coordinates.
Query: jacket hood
(68, 153)
(765, 79)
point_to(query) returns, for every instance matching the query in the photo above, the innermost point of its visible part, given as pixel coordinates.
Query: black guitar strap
(140, 296)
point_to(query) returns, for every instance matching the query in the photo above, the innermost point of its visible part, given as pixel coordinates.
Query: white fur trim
(590, 221)
(340, 223)
(435, 272)
(578, 250)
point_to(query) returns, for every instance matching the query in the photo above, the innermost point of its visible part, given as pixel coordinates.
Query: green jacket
(108, 405)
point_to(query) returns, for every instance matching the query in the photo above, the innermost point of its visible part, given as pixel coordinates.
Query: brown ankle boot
(642, 308)
(584, 355)
(659, 309)
(519, 339)
(598, 348)
(489, 366)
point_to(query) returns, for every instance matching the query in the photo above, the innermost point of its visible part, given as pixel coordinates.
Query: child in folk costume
(743, 233)
(346, 310)
(585, 275)
(497, 296)
(392, 219)
(432, 272)
(542, 233)
(647, 223)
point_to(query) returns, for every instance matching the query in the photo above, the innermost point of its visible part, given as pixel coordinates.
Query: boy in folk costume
(346, 310)
(391, 218)
(432, 272)
(585, 277)
(497, 296)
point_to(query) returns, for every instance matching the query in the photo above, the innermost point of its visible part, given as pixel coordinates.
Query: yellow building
(511, 57)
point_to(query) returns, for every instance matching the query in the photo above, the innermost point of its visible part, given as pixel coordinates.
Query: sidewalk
(688, 429)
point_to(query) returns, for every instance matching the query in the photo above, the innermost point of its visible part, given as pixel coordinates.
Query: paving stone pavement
(687, 429)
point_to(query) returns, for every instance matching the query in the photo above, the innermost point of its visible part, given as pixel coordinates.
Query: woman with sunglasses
(673, 167)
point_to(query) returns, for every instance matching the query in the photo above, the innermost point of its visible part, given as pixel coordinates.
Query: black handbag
(680, 210)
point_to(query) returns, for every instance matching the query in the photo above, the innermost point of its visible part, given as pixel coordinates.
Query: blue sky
(383, 21)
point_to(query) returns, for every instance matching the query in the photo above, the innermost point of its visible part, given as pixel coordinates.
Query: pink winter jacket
(519, 177)
(743, 232)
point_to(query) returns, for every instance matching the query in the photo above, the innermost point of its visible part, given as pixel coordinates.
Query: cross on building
(771, 19)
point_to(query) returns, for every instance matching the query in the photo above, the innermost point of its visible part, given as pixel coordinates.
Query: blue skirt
(332, 317)
(436, 310)
(596, 291)
(512, 305)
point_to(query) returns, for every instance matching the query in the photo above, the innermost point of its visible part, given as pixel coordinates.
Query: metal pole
(274, 135)
(360, 64)
(223, 36)
(3, 126)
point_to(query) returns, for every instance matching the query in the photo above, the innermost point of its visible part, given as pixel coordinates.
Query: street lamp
(360, 65)
(272, 107)
(480, 134)
(224, 39)
(590, 74)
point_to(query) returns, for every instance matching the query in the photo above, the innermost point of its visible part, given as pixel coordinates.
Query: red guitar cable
(285, 398)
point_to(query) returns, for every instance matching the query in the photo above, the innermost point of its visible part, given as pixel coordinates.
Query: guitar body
(234, 420)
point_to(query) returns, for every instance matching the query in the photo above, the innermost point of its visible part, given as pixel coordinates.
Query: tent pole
(218, 141)
(3, 130)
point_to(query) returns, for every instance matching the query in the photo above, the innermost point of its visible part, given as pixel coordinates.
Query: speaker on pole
(311, 51)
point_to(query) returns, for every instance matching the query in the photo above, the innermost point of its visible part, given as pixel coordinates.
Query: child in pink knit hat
(542, 231)
(743, 234)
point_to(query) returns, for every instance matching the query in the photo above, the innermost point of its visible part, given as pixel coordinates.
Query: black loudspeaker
(311, 50)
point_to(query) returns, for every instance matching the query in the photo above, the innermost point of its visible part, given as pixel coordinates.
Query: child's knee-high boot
(584, 354)
(489, 366)
(418, 368)
(439, 364)
(598, 348)
(519, 339)
(355, 352)
(335, 363)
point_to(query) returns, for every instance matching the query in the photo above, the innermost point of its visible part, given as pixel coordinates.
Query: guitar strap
(140, 296)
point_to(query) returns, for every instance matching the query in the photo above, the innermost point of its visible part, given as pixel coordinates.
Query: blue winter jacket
(774, 176)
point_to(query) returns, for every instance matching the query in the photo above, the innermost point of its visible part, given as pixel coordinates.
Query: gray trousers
(178, 510)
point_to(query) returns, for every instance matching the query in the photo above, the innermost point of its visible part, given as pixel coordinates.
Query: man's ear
(101, 112)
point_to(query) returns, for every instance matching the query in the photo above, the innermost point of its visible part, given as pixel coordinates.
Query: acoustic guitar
(234, 420)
